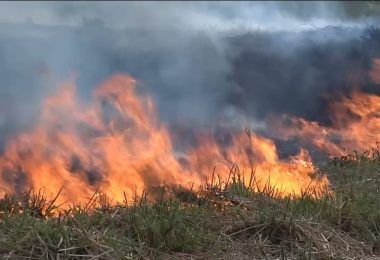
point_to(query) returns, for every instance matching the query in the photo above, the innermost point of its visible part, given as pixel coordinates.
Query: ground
(220, 222)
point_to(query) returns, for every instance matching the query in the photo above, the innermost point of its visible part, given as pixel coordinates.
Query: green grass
(222, 221)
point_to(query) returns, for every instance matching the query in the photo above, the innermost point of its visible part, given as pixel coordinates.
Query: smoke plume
(200, 61)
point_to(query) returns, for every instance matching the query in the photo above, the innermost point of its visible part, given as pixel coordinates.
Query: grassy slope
(231, 222)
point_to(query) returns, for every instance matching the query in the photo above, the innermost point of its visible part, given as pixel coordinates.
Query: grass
(222, 221)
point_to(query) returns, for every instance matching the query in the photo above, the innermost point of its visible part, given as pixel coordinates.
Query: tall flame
(117, 143)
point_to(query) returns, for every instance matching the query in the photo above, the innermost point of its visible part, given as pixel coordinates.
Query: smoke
(300, 81)
(199, 60)
(192, 15)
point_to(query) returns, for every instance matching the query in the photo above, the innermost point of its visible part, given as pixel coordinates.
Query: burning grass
(254, 205)
(117, 142)
(232, 220)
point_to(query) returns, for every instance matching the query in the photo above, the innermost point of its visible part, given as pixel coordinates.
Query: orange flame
(257, 157)
(117, 143)
(355, 126)
(79, 149)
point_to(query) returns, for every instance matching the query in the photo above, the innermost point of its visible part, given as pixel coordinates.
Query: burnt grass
(222, 221)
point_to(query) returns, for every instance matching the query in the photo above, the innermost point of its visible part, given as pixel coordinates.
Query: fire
(258, 164)
(355, 126)
(117, 143)
(355, 123)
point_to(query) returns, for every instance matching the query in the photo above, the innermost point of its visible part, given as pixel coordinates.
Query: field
(223, 221)
(190, 131)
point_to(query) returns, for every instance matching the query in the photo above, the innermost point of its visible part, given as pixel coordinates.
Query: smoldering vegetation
(196, 78)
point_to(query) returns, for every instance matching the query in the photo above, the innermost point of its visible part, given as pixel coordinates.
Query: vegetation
(223, 221)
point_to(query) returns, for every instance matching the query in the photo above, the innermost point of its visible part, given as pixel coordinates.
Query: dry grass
(223, 221)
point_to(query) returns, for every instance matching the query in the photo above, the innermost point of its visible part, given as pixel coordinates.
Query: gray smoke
(193, 15)
(199, 60)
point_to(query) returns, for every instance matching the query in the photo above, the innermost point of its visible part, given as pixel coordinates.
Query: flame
(256, 157)
(355, 126)
(117, 143)
(355, 123)
(122, 149)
